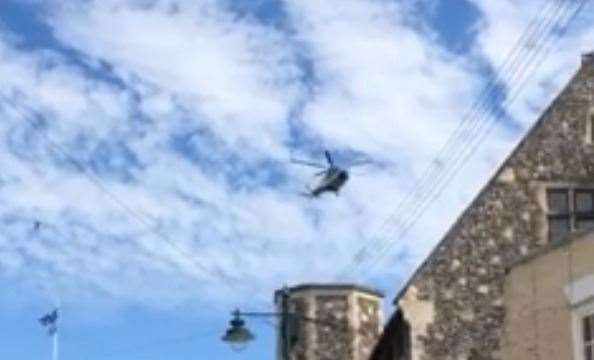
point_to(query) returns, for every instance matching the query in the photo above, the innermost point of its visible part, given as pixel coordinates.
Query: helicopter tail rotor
(329, 157)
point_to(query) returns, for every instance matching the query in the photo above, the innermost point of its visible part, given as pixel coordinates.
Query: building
(338, 321)
(549, 299)
(454, 306)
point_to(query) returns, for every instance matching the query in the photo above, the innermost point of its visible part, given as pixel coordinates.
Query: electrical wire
(149, 345)
(479, 138)
(418, 211)
(483, 106)
(140, 217)
(56, 235)
(434, 166)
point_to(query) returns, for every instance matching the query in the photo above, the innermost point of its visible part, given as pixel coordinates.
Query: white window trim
(580, 295)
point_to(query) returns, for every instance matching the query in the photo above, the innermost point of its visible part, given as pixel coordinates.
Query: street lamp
(237, 335)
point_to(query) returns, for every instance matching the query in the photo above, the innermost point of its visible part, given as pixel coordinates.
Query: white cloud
(498, 38)
(381, 87)
(240, 76)
(384, 88)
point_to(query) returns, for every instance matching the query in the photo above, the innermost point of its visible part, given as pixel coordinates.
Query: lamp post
(238, 335)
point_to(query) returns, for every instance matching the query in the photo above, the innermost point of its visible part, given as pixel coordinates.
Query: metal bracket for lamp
(238, 335)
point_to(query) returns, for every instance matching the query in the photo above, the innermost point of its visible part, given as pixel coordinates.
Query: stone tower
(344, 321)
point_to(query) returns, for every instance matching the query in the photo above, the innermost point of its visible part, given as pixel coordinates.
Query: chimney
(588, 58)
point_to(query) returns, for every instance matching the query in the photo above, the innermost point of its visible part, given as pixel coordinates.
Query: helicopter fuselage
(333, 180)
(333, 177)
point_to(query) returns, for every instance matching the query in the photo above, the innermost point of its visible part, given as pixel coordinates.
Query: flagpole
(55, 348)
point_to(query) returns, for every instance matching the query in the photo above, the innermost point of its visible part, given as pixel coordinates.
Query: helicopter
(333, 177)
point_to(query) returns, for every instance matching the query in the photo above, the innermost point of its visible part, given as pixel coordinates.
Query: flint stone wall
(344, 322)
(333, 341)
(463, 279)
(368, 326)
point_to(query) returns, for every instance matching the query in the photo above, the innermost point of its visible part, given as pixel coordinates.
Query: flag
(50, 321)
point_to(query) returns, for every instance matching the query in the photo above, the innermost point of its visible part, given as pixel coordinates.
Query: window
(569, 210)
(559, 214)
(588, 337)
(584, 209)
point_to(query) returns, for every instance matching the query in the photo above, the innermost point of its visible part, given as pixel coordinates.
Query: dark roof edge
(332, 286)
(568, 241)
(515, 150)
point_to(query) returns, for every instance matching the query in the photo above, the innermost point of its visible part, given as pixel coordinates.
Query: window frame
(567, 215)
(588, 321)
(583, 215)
(571, 214)
(579, 313)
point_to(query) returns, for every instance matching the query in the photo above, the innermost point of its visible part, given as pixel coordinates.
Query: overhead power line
(434, 168)
(478, 140)
(556, 15)
(147, 348)
(421, 204)
(138, 216)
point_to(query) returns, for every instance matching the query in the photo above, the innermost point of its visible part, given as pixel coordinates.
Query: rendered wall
(538, 322)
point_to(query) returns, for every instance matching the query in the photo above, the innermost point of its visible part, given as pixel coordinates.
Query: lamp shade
(237, 335)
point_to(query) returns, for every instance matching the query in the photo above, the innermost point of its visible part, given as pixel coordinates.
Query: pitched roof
(491, 181)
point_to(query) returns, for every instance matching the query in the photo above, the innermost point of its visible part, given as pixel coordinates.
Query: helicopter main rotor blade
(308, 163)
(320, 173)
(359, 163)
(329, 157)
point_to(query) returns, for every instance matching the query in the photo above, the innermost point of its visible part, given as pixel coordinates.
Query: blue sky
(151, 141)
